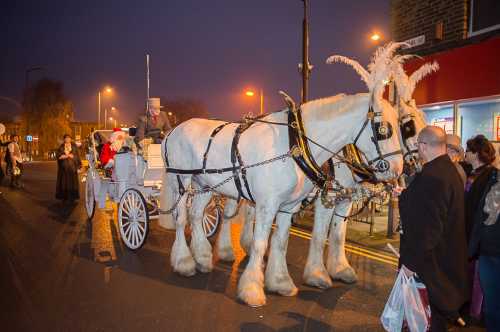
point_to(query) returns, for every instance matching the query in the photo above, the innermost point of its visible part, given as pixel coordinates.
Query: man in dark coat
(433, 243)
(155, 124)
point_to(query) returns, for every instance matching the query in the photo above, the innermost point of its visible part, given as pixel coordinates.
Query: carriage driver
(154, 125)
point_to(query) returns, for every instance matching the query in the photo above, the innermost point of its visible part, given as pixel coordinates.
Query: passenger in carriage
(154, 124)
(110, 149)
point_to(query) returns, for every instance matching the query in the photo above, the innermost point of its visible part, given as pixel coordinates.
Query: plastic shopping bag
(393, 314)
(416, 306)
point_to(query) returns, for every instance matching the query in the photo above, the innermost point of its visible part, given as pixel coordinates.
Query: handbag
(407, 305)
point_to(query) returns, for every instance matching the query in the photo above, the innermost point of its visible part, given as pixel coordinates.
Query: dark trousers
(439, 322)
(14, 179)
(489, 276)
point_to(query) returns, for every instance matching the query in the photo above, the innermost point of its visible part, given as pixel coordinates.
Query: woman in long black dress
(68, 163)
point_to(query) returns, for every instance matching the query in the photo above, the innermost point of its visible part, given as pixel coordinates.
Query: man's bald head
(432, 135)
(431, 143)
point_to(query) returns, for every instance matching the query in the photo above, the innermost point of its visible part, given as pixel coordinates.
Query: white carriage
(134, 184)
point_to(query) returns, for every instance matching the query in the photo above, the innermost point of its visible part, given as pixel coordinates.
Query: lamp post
(250, 93)
(305, 67)
(106, 90)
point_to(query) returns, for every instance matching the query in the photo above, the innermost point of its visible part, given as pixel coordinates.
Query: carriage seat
(154, 166)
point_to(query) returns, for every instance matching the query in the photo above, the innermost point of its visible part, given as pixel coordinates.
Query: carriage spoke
(134, 236)
(127, 231)
(141, 227)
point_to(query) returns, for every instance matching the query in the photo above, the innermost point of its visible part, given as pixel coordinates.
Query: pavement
(61, 272)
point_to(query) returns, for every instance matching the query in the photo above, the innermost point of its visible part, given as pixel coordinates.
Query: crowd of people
(450, 228)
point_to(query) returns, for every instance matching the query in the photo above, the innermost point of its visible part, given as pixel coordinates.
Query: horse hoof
(318, 278)
(226, 254)
(252, 295)
(347, 275)
(204, 264)
(282, 285)
(185, 266)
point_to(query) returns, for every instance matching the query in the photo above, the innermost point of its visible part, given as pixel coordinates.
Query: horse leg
(167, 195)
(337, 265)
(251, 284)
(224, 245)
(315, 273)
(277, 277)
(200, 246)
(181, 259)
(246, 236)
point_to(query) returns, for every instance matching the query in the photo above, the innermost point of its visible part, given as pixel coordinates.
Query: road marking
(353, 249)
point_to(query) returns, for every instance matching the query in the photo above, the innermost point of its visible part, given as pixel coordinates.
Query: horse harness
(299, 151)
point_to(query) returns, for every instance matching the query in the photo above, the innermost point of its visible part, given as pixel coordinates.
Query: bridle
(408, 130)
(380, 131)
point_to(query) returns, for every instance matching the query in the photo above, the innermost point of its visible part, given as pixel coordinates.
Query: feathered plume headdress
(379, 69)
(406, 84)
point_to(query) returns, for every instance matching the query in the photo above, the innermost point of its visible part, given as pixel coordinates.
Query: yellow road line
(370, 252)
(355, 250)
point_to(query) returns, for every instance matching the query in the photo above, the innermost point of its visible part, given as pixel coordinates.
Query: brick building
(463, 36)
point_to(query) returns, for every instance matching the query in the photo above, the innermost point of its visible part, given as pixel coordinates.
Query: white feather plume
(379, 69)
(421, 72)
(365, 75)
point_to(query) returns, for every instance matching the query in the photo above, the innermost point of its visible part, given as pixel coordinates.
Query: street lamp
(111, 119)
(250, 93)
(107, 90)
(106, 116)
(375, 37)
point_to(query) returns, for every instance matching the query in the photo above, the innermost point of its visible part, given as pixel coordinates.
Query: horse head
(378, 139)
(411, 119)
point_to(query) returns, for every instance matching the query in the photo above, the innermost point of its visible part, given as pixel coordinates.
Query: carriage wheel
(212, 217)
(89, 197)
(133, 219)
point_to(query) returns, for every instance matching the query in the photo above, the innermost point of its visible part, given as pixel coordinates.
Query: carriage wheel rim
(133, 218)
(89, 198)
(210, 221)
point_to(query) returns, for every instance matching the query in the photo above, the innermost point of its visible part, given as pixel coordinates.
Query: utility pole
(305, 67)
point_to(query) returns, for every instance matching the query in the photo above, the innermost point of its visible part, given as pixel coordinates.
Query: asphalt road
(60, 272)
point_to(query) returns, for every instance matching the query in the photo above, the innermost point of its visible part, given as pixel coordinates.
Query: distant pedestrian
(68, 163)
(456, 153)
(14, 161)
(433, 243)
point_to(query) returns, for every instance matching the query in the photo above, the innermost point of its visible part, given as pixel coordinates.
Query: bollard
(392, 217)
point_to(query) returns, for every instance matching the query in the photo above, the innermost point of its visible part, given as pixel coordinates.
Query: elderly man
(154, 124)
(433, 243)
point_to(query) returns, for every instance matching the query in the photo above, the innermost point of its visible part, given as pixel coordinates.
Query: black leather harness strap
(304, 160)
(214, 132)
(238, 163)
(182, 190)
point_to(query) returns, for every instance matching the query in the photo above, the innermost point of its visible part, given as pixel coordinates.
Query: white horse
(411, 121)
(277, 187)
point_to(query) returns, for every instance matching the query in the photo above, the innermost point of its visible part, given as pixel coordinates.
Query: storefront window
(441, 116)
(479, 118)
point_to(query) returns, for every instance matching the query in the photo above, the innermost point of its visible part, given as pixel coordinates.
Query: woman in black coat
(480, 154)
(68, 163)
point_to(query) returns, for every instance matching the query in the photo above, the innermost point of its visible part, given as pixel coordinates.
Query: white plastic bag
(414, 311)
(393, 315)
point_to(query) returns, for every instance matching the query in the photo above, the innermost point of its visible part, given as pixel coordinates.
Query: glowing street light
(250, 93)
(375, 37)
(107, 90)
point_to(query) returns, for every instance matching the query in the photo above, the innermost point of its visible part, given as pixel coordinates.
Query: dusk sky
(207, 50)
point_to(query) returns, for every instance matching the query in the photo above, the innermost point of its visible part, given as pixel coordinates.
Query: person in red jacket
(110, 149)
